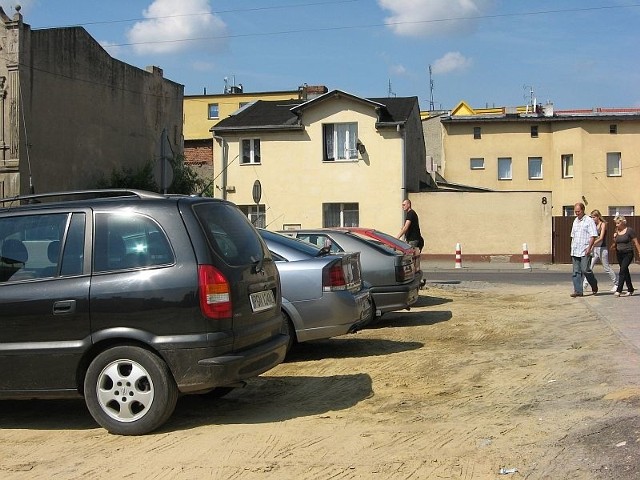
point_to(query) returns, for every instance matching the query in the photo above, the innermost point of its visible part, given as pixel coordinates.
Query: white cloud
(203, 66)
(397, 69)
(417, 18)
(112, 48)
(451, 62)
(169, 22)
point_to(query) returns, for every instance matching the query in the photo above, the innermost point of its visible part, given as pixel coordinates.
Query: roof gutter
(260, 128)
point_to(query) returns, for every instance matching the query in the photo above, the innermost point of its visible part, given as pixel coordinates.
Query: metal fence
(562, 237)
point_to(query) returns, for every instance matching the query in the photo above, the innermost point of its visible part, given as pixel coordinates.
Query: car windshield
(294, 243)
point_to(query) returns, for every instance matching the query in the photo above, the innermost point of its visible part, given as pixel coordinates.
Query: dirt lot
(478, 377)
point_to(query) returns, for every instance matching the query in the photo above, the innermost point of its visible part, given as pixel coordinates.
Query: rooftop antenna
(431, 104)
(531, 101)
(390, 93)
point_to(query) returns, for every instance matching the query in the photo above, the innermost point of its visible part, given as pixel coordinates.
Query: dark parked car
(391, 241)
(394, 282)
(323, 295)
(132, 299)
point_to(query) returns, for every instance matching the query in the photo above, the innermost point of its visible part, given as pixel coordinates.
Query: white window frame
(217, 111)
(531, 164)
(343, 214)
(567, 165)
(508, 174)
(626, 210)
(340, 142)
(254, 155)
(476, 163)
(256, 213)
(614, 164)
(568, 211)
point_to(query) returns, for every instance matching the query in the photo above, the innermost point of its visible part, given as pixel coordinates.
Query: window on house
(535, 168)
(614, 164)
(504, 168)
(534, 131)
(613, 128)
(340, 215)
(257, 214)
(476, 163)
(477, 133)
(627, 211)
(250, 151)
(340, 141)
(213, 111)
(567, 165)
(568, 211)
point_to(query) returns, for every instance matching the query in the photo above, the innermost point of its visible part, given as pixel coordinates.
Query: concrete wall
(490, 226)
(80, 112)
(87, 113)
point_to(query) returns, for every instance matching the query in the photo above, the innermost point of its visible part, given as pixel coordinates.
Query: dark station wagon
(131, 298)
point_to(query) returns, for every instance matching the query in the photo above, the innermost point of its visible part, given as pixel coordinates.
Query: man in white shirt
(583, 235)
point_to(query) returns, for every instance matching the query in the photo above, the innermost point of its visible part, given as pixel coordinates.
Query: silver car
(323, 294)
(392, 276)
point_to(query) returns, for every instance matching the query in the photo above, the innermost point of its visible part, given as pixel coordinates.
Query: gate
(561, 249)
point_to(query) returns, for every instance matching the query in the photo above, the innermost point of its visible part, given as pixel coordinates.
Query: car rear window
(229, 233)
(294, 243)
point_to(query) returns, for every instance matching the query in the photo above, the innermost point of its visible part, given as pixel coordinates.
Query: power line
(347, 27)
(198, 14)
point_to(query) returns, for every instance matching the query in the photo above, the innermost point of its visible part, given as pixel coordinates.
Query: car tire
(129, 390)
(288, 329)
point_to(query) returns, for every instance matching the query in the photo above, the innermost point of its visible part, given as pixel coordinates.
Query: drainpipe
(225, 160)
(403, 185)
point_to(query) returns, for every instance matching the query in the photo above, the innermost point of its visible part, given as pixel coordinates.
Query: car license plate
(262, 300)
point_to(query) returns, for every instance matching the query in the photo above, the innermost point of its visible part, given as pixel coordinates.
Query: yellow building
(334, 160)
(201, 112)
(591, 156)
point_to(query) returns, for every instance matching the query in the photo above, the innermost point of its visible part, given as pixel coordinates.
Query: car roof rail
(71, 195)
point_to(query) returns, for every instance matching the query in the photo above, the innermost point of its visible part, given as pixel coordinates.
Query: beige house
(334, 160)
(70, 113)
(591, 156)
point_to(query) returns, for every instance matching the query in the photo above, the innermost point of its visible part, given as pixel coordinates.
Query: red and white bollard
(525, 257)
(458, 256)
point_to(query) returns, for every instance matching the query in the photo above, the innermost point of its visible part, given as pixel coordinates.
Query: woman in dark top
(624, 239)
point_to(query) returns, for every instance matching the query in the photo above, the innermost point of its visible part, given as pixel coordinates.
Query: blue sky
(575, 53)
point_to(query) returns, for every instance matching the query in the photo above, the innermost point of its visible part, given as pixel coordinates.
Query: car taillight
(405, 271)
(215, 292)
(333, 277)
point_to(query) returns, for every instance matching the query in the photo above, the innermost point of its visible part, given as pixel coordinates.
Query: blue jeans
(582, 266)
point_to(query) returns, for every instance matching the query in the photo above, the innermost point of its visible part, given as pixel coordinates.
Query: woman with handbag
(624, 239)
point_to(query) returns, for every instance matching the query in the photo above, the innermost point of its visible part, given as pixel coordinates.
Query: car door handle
(64, 307)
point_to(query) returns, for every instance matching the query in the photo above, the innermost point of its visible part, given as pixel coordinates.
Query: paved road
(621, 314)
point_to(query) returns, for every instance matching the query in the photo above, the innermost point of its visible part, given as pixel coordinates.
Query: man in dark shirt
(411, 227)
